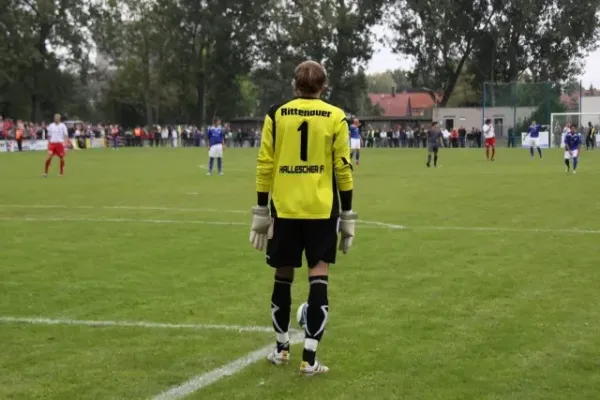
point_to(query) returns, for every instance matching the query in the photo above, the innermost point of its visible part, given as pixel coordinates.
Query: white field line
(141, 208)
(121, 220)
(201, 381)
(133, 324)
(481, 228)
(194, 384)
(377, 224)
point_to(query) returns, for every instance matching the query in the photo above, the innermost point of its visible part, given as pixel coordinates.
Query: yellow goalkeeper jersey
(304, 159)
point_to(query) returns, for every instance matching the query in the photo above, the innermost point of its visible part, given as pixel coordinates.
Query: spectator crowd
(116, 136)
(192, 136)
(416, 137)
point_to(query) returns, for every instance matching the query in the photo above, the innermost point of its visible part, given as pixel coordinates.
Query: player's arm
(265, 162)
(65, 134)
(341, 165)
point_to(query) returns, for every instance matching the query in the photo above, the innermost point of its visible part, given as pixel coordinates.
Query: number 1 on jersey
(303, 129)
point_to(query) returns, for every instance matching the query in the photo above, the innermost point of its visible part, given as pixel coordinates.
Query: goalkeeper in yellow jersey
(304, 171)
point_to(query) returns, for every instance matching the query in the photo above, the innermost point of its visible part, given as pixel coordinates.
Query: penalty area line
(364, 223)
(201, 381)
(121, 220)
(132, 208)
(480, 228)
(132, 324)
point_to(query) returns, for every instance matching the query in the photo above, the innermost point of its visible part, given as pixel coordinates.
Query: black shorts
(317, 238)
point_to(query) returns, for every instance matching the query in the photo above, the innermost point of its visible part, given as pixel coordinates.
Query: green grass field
(484, 284)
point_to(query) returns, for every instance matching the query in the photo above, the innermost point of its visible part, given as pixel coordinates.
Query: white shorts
(354, 144)
(568, 156)
(216, 151)
(534, 141)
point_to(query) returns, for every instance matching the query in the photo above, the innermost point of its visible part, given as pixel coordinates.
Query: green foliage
(543, 40)
(183, 60)
(340, 38)
(36, 79)
(542, 113)
(384, 81)
(519, 94)
(464, 95)
(189, 60)
(439, 35)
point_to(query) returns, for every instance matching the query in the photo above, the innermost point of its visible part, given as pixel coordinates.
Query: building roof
(571, 100)
(402, 104)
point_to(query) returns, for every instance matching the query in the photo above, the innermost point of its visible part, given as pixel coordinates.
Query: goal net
(558, 121)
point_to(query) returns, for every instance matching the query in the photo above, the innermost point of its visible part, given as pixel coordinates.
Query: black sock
(435, 158)
(281, 304)
(428, 159)
(567, 163)
(317, 314)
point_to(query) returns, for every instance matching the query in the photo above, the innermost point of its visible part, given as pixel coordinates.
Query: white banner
(42, 145)
(11, 145)
(543, 140)
(96, 143)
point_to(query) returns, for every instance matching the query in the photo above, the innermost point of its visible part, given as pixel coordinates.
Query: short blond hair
(310, 78)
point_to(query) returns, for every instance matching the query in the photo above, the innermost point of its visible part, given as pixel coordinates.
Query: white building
(473, 117)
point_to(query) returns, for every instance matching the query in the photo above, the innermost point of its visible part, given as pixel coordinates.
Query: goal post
(582, 120)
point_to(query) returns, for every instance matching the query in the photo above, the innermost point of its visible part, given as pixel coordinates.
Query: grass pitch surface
(482, 285)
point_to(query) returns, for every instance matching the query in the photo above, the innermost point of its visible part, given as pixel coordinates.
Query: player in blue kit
(216, 143)
(572, 145)
(355, 141)
(533, 138)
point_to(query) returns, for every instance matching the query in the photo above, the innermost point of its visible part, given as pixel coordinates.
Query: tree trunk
(201, 89)
(147, 83)
(38, 66)
(451, 84)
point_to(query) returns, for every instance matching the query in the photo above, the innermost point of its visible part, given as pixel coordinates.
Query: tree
(401, 79)
(134, 36)
(549, 38)
(464, 95)
(440, 36)
(187, 60)
(382, 82)
(340, 38)
(541, 40)
(44, 47)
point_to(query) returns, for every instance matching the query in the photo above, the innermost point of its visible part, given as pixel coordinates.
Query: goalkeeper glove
(261, 230)
(347, 224)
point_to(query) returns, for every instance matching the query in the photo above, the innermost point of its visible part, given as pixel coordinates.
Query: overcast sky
(384, 59)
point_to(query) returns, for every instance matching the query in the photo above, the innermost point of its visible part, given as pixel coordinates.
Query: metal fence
(516, 104)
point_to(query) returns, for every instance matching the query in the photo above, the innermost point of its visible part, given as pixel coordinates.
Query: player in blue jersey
(355, 141)
(216, 143)
(572, 145)
(533, 138)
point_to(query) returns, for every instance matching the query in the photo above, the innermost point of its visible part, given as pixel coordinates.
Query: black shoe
(428, 165)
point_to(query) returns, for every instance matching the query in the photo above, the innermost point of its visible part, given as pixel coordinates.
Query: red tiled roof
(571, 100)
(398, 105)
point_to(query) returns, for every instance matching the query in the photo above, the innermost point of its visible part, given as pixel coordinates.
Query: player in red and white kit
(490, 139)
(58, 140)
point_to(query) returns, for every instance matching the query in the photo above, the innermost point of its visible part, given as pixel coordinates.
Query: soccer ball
(301, 315)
